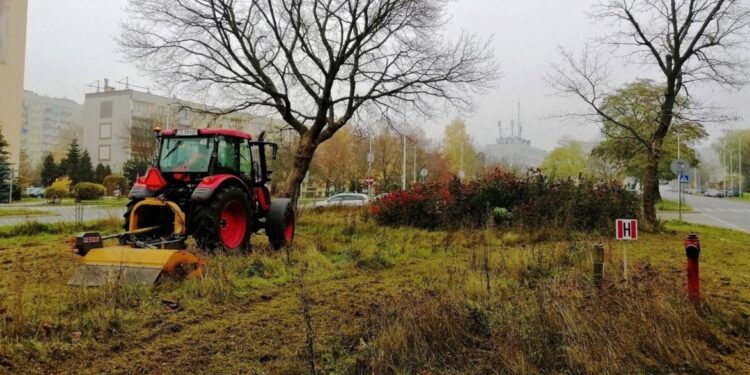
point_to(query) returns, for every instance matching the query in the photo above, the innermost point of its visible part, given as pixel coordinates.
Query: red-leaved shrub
(531, 202)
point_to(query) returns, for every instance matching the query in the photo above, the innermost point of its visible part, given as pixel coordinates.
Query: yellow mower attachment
(143, 259)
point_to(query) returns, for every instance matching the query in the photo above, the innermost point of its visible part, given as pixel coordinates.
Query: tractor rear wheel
(280, 223)
(224, 222)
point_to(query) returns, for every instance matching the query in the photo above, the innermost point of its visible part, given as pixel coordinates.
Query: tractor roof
(210, 131)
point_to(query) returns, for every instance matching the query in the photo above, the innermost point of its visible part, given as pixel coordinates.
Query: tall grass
(543, 315)
(354, 297)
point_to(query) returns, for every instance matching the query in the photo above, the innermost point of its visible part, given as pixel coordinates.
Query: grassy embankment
(20, 211)
(669, 205)
(105, 201)
(355, 297)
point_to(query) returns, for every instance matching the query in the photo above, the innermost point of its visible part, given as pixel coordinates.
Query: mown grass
(353, 297)
(670, 205)
(104, 201)
(20, 211)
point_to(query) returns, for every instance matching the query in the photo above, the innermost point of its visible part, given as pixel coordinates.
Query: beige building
(118, 123)
(12, 58)
(48, 125)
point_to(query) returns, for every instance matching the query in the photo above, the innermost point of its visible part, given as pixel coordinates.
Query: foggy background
(70, 44)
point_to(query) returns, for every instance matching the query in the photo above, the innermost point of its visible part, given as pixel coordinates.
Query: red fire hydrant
(693, 250)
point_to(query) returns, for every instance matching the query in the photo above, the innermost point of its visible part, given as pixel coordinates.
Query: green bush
(88, 191)
(59, 189)
(116, 181)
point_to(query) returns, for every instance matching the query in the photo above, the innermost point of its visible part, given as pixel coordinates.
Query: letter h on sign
(627, 229)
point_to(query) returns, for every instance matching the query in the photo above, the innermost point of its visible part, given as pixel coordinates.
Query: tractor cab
(188, 155)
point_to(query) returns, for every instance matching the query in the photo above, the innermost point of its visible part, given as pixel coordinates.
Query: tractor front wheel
(280, 223)
(224, 222)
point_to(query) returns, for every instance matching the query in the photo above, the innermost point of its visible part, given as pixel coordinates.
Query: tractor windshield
(185, 154)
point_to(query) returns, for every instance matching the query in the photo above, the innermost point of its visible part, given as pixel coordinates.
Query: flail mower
(210, 184)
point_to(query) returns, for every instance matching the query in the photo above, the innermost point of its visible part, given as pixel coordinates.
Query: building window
(105, 130)
(104, 152)
(141, 109)
(105, 109)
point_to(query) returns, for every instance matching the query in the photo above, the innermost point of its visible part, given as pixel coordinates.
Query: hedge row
(506, 199)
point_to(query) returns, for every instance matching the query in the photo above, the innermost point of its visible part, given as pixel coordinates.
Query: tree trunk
(302, 159)
(657, 193)
(650, 189)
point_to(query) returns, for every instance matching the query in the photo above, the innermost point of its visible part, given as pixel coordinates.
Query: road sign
(679, 165)
(627, 229)
(684, 179)
(370, 180)
(423, 172)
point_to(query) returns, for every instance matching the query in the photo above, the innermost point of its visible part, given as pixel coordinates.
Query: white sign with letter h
(627, 229)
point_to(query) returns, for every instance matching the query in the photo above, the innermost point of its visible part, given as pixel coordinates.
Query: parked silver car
(344, 199)
(714, 193)
(35, 192)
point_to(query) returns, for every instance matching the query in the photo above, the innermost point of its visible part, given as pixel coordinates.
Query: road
(61, 214)
(720, 212)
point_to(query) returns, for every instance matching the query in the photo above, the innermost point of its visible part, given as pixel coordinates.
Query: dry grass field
(353, 297)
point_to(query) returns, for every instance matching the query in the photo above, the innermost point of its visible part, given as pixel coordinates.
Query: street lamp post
(724, 180)
(731, 173)
(461, 172)
(10, 192)
(370, 159)
(415, 161)
(403, 167)
(739, 155)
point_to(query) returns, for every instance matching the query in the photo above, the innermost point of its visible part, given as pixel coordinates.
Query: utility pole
(403, 167)
(461, 172)
(731, 172)
(697, 180)
(370, 159)
(739, 154)
(10, 192)
(724, 180)
(415, 161)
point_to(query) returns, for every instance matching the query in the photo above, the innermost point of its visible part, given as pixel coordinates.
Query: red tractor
(210, 184)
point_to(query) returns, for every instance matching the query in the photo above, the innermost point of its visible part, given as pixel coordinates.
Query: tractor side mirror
(274, 151)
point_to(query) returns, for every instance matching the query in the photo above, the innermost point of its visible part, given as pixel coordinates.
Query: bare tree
(685, 41)
(316, 63)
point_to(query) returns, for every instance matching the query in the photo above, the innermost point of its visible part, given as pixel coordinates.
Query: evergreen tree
(101, 172)
(70, 165)
(134, 168)
(50, 170)
(6, 173)
(85, 169)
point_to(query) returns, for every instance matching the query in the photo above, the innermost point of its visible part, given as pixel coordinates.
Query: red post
(693, 250)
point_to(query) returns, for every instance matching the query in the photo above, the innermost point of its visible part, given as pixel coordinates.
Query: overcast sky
(70, 45)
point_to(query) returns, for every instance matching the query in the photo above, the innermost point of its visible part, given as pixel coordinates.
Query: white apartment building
(118, 123)
(48, 126)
